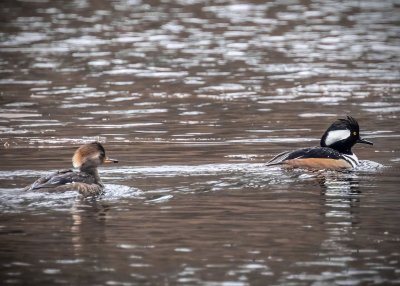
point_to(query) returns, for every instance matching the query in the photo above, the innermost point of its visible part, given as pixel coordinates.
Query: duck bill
(363, 141)
(109, 161)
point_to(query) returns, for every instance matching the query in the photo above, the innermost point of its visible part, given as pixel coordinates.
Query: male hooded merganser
(86, 181)
(335, 151)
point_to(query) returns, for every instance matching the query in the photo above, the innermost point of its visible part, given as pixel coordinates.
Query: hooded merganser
(86, 181)
(335, 151)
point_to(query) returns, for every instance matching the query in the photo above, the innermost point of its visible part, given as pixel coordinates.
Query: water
(193, 98)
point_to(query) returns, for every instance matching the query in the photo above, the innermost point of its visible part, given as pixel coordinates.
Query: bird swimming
(86, 181)
(333, 153)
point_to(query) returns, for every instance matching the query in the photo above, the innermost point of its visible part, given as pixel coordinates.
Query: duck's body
(334, 153)
(68, 180)
(315, 158)
(85, 181)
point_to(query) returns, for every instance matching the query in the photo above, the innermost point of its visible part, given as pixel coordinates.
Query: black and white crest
(342, 135)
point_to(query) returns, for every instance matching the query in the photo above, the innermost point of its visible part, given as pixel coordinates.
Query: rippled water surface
(193, 97)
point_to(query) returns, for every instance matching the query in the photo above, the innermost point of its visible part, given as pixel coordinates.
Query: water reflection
(88, 226)
(342, 217)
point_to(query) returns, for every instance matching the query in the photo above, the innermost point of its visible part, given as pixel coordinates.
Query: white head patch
(337, 135)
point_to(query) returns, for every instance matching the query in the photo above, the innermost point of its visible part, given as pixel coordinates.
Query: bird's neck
(94, 172)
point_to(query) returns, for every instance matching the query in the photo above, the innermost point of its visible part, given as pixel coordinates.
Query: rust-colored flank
(318, 163)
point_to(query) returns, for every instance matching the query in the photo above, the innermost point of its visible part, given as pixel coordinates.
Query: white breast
(352, 159)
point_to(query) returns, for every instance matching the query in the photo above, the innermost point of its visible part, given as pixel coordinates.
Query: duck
(334, 152)
(85, 180)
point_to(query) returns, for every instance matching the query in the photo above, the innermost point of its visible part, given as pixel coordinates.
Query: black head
(342, 135)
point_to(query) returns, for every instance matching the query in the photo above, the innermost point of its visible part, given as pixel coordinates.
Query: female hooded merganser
(86, 181)
(335, 151)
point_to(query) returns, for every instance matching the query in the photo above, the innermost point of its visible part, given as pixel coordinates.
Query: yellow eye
(355, 133)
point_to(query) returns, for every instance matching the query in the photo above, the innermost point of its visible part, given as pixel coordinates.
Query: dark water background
(193, 97)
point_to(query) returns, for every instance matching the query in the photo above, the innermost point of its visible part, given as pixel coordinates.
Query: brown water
(193, 97)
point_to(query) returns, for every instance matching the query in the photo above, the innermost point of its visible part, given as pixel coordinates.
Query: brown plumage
(86, 181)
(318, 163)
